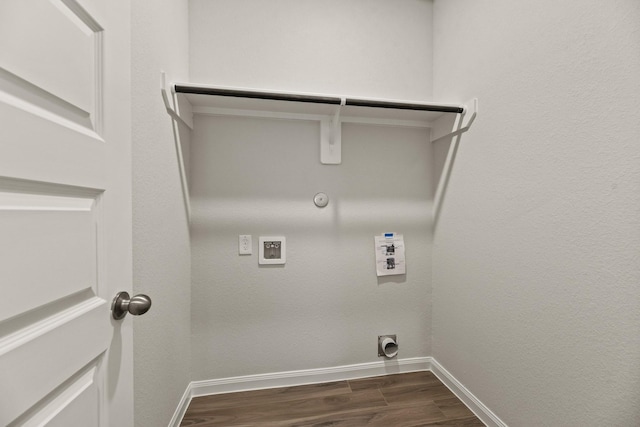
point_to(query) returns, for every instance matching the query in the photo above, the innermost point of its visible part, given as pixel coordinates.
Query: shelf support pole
(176, 122)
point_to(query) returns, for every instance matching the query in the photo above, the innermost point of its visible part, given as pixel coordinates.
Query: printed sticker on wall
(390, 258)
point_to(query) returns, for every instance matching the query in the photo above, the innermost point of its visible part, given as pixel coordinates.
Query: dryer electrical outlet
(273, 250)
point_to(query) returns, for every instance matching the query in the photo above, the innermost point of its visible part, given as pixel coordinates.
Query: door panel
(41, 359)
(78, 396)
(67, 57)
(56, 234)
(65, 212)
(74, 157)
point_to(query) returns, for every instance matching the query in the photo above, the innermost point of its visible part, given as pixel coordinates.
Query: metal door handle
(123, 304)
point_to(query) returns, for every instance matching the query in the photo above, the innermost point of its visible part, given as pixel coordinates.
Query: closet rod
(316, 99)
(272, 96)
(404, 106)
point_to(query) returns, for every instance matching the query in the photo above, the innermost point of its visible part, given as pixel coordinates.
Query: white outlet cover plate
(245, 244)
(282, 246)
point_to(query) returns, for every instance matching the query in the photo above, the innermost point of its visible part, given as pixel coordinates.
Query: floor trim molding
(472, 402)
(338, 373)
(309, 376)
(183, 405)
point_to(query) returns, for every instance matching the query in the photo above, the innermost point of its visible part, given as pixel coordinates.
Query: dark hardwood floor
(402, 400)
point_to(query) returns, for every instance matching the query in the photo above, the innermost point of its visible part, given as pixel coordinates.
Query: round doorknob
(136, 305)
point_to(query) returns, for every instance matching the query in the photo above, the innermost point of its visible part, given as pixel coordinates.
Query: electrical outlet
(244, 244)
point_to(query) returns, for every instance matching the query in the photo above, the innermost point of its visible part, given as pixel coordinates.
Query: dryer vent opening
(387, 346)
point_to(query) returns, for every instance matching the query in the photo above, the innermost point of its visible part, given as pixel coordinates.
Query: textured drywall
(347, 47)
(326, 306)
(257, 176)
(536, 266)
(160, 232)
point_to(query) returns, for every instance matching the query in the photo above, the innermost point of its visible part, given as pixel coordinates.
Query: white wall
(536, 264)
(160, 232)
(325, 307)
(346, 47)
(256, 176)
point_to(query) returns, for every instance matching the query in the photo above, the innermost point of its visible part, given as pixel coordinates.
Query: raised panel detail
(34, 149)
(52, 48)
(41, 360)
(48, 250)
(76, 400)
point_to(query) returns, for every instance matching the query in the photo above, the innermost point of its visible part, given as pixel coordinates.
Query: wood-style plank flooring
(401, 400)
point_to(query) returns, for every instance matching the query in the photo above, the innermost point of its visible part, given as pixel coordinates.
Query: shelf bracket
(461, 124)
(463, 120)
(176, 122)
(173, 110)
(331, 138)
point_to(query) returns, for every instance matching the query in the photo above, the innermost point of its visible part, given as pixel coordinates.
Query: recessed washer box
(272, 250)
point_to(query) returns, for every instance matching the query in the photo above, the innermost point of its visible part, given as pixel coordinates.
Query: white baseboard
(309, 376)
(472, 402)
(338, 373)
(178, 415)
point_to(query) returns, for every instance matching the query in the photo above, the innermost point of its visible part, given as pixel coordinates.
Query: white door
(65, 212)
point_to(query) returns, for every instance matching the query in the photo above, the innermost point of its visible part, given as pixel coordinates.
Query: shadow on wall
(445, 152)
(346, 215)
(444, 168)
(392, 279)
